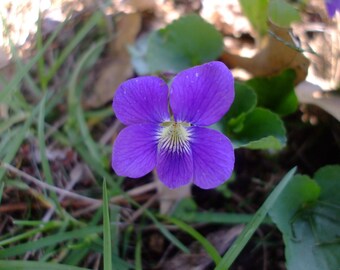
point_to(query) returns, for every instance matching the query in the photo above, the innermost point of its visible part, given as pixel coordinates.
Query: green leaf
(282, 13)
(49, 240)
(255, 222)
(186, 42)
(328, 178)
(244, 102)
(27, 265)
(301, 192)
(1, 190)
(209, 248)
(42, 150)
(138, 252)
(138, 52)
(256, 12)
(306, 214)
(185, 208)
(262, 129)
(276, 93)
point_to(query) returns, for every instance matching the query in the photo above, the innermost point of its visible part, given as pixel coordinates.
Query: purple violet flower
(332, 6)
(166, 128)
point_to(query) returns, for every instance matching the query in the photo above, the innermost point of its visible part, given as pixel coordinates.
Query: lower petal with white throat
(174, 159)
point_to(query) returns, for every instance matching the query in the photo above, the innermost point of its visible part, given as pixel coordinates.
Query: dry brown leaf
(116, 67)
(112, 74)
(322, 36)
(313, 94)
(140, 5)
(273, 56)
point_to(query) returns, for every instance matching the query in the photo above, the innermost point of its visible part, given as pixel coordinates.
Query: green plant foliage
(250, 126)
(244, 102)
(261, 129)
(276, 93)
(328, 179)
(300, 194)
(138, 53)
(107, 248)
(235, 249)
(282, 13)
(27, 265)
(209, 248)
(256, 12)
(184, 43)
(306, 214)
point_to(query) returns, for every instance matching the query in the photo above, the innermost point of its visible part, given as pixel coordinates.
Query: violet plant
(167, 127)
(332, 6)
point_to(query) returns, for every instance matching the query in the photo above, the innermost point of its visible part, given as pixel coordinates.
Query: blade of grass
(209, 248)
(106, 231)
(33, 222)
(77, 255)
(94, 19)
(76, 115)
(1, 190)
(220, 218)
(138, 252)
(16, 142)
(230, 256)
(49, 240)
(42, 150)
(29, 233)
(6, 137)
(97, 115)
(53, 249)
(167, 234)
(41, 62)
(115, 217)
(13, 120)
(27, 265)
(94, 164)
(126, 239)
(19, 63)
(44, 185)
(14, 83)
(18, 103)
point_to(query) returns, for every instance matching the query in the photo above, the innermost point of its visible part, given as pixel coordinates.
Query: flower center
(174, 136)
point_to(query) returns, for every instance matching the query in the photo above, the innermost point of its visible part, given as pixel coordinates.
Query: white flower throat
(174, 136)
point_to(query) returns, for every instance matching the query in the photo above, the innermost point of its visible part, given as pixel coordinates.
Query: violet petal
(332, 6)
(203, 94)
(213, 157)
(142, 100)
(134, 152)
(174, 168)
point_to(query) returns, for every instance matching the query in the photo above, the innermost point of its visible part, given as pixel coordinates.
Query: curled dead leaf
(116, 67)
(313, 94)
(275, 54)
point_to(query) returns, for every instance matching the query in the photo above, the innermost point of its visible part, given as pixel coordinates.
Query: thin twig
(141, 210)
(68, 187)
(110, 132)
(85, 210)
(60, 122)
(44, 185)
(135, 192)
